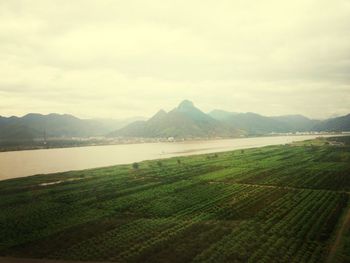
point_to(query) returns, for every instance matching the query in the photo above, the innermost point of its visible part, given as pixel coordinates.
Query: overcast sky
(124, 58)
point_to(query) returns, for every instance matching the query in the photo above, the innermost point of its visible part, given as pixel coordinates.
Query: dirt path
(339, 235)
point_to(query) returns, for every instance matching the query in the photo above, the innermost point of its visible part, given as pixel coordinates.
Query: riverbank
(57, 143)
(30, 162)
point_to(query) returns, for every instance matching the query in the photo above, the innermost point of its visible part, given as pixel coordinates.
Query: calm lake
(24, 163)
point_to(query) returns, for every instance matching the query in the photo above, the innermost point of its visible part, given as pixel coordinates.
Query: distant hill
(184, 121)
(334, 124)
(188, 121)
(296, 123)
(33, 125)
(221, 114)
(255, 124)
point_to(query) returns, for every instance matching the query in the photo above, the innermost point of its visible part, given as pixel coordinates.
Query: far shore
(57, 143)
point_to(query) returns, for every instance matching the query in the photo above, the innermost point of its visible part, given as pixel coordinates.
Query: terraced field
(271, 204)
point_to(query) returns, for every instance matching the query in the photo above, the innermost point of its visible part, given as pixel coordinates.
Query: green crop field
(285, 203)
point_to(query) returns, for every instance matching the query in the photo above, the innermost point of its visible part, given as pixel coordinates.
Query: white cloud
(118, 58)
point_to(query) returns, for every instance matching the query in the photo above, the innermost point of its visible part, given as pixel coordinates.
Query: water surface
(24, 163)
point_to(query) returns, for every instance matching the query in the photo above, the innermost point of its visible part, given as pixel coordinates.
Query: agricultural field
(287, 203)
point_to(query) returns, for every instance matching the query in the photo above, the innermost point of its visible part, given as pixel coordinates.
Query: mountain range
(34, 125)
(184, 121)
(255, 124)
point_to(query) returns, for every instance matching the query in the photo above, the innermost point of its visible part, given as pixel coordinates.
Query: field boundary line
(281, 187)
(344, 226)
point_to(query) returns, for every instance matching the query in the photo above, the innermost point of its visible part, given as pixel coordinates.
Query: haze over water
(25, 163)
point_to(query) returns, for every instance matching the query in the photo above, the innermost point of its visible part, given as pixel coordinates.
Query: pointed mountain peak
(187, 108)
(160, 114)
(186, 104)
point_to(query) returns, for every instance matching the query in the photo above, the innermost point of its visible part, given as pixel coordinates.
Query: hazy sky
(123, 58)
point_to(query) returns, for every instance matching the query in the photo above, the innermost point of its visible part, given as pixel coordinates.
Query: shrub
(135, 165)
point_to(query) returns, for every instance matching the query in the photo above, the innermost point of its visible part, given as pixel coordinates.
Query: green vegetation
(340, 251)
(135, 165)
(272, 204)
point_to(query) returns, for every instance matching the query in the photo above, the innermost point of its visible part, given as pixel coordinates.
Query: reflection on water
(24, 163)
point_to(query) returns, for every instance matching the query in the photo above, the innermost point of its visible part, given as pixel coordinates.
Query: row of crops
(273, 204)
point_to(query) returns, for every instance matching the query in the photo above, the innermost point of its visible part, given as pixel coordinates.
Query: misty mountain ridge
(256, 124)
(341, 123)
(34, 125)
(184, 121)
